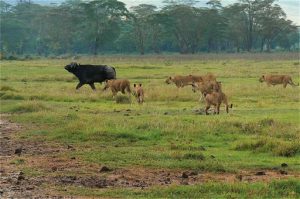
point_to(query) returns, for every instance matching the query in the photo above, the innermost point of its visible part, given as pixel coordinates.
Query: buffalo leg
(79, 85)
(92, 85)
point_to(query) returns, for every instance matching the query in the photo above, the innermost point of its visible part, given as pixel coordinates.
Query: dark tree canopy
(106, 26)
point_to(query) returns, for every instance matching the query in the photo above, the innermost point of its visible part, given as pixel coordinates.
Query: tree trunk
(155, 43)
(262, 45)
(268, 45)
(96, 46)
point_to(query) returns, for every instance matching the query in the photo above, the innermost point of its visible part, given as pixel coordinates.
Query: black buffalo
(89, 74)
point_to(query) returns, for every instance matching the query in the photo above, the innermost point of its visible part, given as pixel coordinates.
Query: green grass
(261, 131)
(276, 189)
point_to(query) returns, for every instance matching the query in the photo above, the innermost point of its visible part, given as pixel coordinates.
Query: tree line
(107, 26)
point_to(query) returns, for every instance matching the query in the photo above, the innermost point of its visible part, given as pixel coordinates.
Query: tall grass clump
(30, 106)
(123, 99)
(276, 147)
(7, 88)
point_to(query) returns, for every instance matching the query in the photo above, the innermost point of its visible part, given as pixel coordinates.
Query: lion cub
(117, 85)
(277, 79)
(215, 98)
(138, 92)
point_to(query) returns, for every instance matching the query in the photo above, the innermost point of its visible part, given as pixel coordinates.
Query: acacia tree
(214, 25)
(140, 17)
(182, 24)
(156, 30)
(236, 29)
(90, 26)
(271, 22)
(101, 21)
(250, 9)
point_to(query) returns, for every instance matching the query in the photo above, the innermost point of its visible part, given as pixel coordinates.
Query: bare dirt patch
(57, 167)
(144, 178)
(13, 182)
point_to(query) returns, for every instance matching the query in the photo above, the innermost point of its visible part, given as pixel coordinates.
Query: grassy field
(261, 132)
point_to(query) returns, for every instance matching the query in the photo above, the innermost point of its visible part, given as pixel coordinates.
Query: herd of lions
(207, 85)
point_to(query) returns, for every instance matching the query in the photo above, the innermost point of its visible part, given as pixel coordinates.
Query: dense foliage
(106, 26)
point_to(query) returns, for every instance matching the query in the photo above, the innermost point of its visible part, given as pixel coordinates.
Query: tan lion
(117, 85)
(138, 92)
(181, 81)
(216, 98)
(277, 79)
(204, 78)
(207, 86)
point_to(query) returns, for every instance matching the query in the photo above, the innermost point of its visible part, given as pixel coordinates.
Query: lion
(277, 79)
(204, 78)
(138, 92)
(206, 87)
(181, 81)
(117, 85)
(215, 98)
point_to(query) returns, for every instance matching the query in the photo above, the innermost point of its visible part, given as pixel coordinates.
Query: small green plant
(18, 161)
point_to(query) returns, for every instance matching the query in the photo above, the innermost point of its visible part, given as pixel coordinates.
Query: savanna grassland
(77, 132)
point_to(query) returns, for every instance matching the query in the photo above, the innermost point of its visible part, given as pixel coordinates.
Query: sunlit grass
(261, 131)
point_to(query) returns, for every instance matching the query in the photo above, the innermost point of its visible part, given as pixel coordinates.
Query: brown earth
(49, 165)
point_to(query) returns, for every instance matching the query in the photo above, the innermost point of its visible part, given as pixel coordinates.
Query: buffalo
(89, 74)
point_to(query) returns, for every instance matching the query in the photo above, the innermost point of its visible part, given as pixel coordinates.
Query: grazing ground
(56, 141)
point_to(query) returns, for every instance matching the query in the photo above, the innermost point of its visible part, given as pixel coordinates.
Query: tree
(214, 25)
(236, 28)
(271, 22)
(102, 17)
(81, 26)
(250, 8)
(141, 26)
(182, 24)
